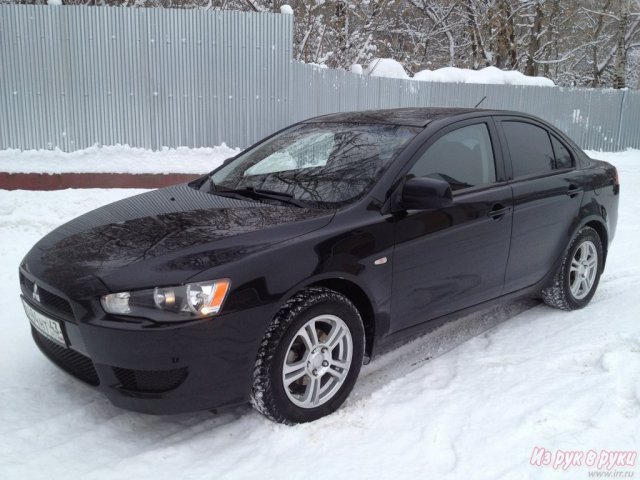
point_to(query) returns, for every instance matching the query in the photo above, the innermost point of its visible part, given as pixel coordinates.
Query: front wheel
(576, 281)
(310, 357)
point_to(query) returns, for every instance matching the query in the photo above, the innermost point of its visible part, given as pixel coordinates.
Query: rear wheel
(310, 357)
(576, 281)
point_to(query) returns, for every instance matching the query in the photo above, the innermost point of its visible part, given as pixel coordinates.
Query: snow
(286, 10)
(320, 66)
(487, 75)
(471, 400)
(54, 2)
(628, 156)
(116, 159)
(356, 68)
(386, 67)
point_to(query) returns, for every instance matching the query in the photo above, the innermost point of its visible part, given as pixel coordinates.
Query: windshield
(324, 165)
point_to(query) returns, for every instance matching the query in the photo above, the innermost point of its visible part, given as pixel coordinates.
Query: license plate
(50, 328)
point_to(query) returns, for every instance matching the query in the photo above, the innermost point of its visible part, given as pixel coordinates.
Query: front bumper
(153, 368)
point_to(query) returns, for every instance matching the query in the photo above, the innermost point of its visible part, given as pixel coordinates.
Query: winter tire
(576, 281)
(310, 357)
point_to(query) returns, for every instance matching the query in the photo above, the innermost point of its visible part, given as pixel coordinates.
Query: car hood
(178, 231)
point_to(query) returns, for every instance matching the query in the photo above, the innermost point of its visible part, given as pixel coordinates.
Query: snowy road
(469, 401)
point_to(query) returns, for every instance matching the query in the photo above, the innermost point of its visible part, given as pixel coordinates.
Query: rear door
(547, 195)
(450, 258)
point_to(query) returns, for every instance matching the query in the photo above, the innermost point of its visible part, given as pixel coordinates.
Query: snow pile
(356, 68)
(487, 75)
(321, 66)
(54, 2)
(527, 376)
(286, 10)
(386, 67)
(116, 159)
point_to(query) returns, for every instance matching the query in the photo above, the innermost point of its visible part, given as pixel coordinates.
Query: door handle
(498, 211)
(574, 190)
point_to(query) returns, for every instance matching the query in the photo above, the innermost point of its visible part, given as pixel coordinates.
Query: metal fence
(605, 120)
(72, 77)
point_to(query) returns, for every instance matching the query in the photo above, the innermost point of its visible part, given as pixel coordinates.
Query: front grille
(48, 301)
(69, 360)
(150, 381)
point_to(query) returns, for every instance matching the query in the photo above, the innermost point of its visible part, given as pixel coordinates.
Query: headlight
(170, 304)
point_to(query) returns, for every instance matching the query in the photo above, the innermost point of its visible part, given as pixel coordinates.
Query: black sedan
(273, 278)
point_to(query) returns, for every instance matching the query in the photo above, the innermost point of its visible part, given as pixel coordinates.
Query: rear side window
(463, 157)
(530, 149)
(563, 156)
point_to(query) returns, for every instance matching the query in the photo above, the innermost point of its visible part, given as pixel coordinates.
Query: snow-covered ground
(116, 159)
(470, 401)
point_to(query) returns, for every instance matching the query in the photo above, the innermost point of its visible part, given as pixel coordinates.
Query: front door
(451, 258)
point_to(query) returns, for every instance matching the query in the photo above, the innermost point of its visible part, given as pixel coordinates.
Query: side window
(464, 158)
(563, 156)
(530, 148)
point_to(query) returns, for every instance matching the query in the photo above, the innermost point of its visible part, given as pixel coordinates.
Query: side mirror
(422, 193)
(228, 160)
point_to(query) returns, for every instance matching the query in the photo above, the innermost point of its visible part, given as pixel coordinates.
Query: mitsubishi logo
(35, 295)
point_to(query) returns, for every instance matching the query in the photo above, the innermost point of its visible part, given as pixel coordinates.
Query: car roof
(413, 117)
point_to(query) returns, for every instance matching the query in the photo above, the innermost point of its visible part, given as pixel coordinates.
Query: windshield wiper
(259, 193)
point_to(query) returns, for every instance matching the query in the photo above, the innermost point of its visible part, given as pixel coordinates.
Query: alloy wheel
(583, 270)
(317, 362)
